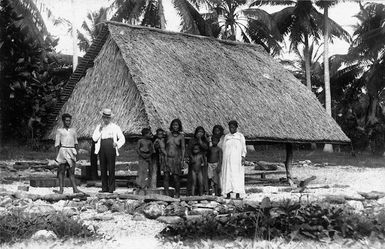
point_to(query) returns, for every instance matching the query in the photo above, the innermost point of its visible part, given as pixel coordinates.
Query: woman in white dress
(234, 153)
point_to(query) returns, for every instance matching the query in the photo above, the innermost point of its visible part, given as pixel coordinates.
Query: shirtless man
(175, 149)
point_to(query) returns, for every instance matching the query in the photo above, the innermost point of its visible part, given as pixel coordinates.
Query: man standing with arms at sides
(66, 144)
(108, 138)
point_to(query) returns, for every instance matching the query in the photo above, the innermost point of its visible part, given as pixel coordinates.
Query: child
(160, 154)
(197, 161)
(214, 160)
(145, 150)
(66, 144)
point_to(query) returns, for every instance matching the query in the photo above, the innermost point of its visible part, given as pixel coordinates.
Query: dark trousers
(107, 156)
(93, 173)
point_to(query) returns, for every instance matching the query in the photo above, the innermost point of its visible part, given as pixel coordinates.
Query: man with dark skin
(66, 144)
(175, 149)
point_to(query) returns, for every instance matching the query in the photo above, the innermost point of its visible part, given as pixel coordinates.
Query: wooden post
(289, 158)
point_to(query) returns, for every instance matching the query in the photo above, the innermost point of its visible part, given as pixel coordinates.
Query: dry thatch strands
(149, 77)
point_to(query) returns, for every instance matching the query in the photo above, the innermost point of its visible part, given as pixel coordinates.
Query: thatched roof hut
(149, 77)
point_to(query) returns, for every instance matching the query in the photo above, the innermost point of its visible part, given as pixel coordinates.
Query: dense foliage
(17, 226)
(32, 77)
(289, 220)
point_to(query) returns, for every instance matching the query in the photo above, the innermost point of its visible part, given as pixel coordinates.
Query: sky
(77, 10)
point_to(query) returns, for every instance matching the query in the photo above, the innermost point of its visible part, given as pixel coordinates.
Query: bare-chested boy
(214, 160)
(145, 150)
(175, 149)
(160, 149)
(197, 162)
(66, 144)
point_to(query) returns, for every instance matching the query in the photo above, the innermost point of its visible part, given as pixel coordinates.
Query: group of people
(215, 163)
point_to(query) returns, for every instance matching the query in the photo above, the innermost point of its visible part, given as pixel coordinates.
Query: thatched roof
(149, 77)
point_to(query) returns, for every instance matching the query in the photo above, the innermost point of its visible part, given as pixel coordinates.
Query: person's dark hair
(196, 145)
(66, 115)
(215, 138)
(145, 131)
(233, 122)
(197, 130)
(204, 137)
(219, 127)
(177, 120)
(159, 129)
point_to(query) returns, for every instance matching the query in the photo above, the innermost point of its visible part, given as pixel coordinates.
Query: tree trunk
(289, 158)
(371, 116)
(328, 102)
(2, 105)
(233, 36)
(74, 38)
(307, 63)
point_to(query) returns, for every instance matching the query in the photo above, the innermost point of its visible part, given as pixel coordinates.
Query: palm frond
(265, 18)
(184, 9)
(284, 19)
(272, 2)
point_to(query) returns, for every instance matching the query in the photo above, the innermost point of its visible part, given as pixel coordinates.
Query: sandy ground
(121, 231)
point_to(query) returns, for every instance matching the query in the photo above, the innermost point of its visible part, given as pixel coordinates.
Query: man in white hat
(108, 138)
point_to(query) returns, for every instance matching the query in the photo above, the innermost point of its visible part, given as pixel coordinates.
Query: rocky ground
(120, 220)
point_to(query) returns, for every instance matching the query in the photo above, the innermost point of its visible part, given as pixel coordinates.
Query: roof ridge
(81, 70)
(228, 42)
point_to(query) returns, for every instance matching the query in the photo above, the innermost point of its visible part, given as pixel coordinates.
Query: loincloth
(143, 178)
(173, 165)
(212, 172)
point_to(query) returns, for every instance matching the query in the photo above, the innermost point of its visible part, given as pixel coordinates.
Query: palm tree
(91, 28)
(218, 18)
(325, 5)
(234, 19)
(151, 13)
(302, 22)
(368, 49)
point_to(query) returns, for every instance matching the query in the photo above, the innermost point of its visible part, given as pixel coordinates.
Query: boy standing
(145, 151)
(66, 144)
(214, 160)
(159, 156)
(197, 162)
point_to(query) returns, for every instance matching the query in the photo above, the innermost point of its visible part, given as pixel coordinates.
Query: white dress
(233, 175)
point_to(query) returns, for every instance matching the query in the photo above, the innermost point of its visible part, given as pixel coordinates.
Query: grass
(271, 153)
(16, 226)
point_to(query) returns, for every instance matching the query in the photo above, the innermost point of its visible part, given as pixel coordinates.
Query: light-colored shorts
(67, 155)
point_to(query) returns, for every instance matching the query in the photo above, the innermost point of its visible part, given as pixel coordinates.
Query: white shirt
(66, 137)
(110, 131)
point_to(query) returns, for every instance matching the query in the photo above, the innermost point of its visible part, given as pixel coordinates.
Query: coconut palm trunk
(328, 104)
(307, 63)
(74, 37)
